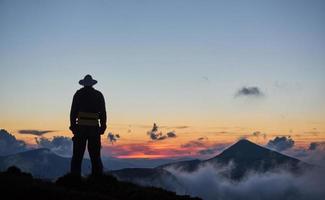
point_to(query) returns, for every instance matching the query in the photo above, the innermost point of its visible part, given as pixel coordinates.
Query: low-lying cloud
(281, 143)
(208, 184)
(315, 154)
(249, 92)
(35, 132)
(317, 146)
(58, 144)
(9, 144)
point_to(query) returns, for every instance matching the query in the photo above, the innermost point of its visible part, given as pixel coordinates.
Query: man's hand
(73, 129)
(102, 129)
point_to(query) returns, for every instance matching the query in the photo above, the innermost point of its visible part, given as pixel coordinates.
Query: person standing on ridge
(87, 123)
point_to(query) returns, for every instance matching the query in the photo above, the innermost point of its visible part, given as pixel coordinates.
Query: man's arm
(102, 114)
(73, 114)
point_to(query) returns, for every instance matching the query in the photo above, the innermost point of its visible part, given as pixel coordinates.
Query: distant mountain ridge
(42, 163)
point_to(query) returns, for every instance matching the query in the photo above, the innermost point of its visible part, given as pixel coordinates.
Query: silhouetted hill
(244, 156)
(42, 163)
(156, 177)
(17, 185)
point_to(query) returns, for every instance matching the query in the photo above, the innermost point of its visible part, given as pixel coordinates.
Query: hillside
(148, 177)
(17, 185)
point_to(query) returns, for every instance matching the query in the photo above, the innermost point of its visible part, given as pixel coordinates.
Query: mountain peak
(243, 147)
(244, 142)
(247, 150)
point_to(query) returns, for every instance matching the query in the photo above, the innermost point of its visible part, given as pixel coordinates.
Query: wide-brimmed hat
(87, 81)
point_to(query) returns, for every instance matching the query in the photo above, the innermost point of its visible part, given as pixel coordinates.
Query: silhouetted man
(87, 123)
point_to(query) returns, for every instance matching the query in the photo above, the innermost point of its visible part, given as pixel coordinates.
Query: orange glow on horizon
(144, 156)
(136, 143)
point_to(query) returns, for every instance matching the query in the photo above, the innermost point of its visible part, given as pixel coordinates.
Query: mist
(208, 183)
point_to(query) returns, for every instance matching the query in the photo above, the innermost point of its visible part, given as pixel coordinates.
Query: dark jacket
(87, 99)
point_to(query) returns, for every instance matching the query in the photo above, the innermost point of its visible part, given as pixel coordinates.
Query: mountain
(42, 163)
(239, 159)
(233, 163)
(248, 156)
(16, 185)
(244, 156)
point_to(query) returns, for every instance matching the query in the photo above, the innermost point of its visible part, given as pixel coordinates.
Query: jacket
(89, 100)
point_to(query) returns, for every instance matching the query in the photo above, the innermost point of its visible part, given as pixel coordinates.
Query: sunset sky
(189, 66)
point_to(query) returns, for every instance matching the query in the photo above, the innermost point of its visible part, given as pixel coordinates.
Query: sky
(211, 72)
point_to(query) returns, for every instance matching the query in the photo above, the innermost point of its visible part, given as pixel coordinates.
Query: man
(87, 123)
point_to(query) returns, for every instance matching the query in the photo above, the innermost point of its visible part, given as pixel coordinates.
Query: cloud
(193, 144)
(125, 149)
(249, 92)
(317, 146)
(213, 150)
(199, 142)
(58, 144)
(171, 134)
(316, 157)
(205, 78)
(314, 154)
(181, 127)
(258, 134)
(9, 144)
(113, 138)
(35, 132)
(281, 143)
(202, 138)
(156, 135)
(279, 184)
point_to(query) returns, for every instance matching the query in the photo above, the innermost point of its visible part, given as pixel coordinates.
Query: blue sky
(175, 62)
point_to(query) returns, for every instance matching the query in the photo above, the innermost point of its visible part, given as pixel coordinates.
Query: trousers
(83, 135)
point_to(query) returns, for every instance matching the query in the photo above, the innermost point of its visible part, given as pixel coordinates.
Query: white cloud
(9, 144)
(58, 144)
(208, 184)
(281, 143)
